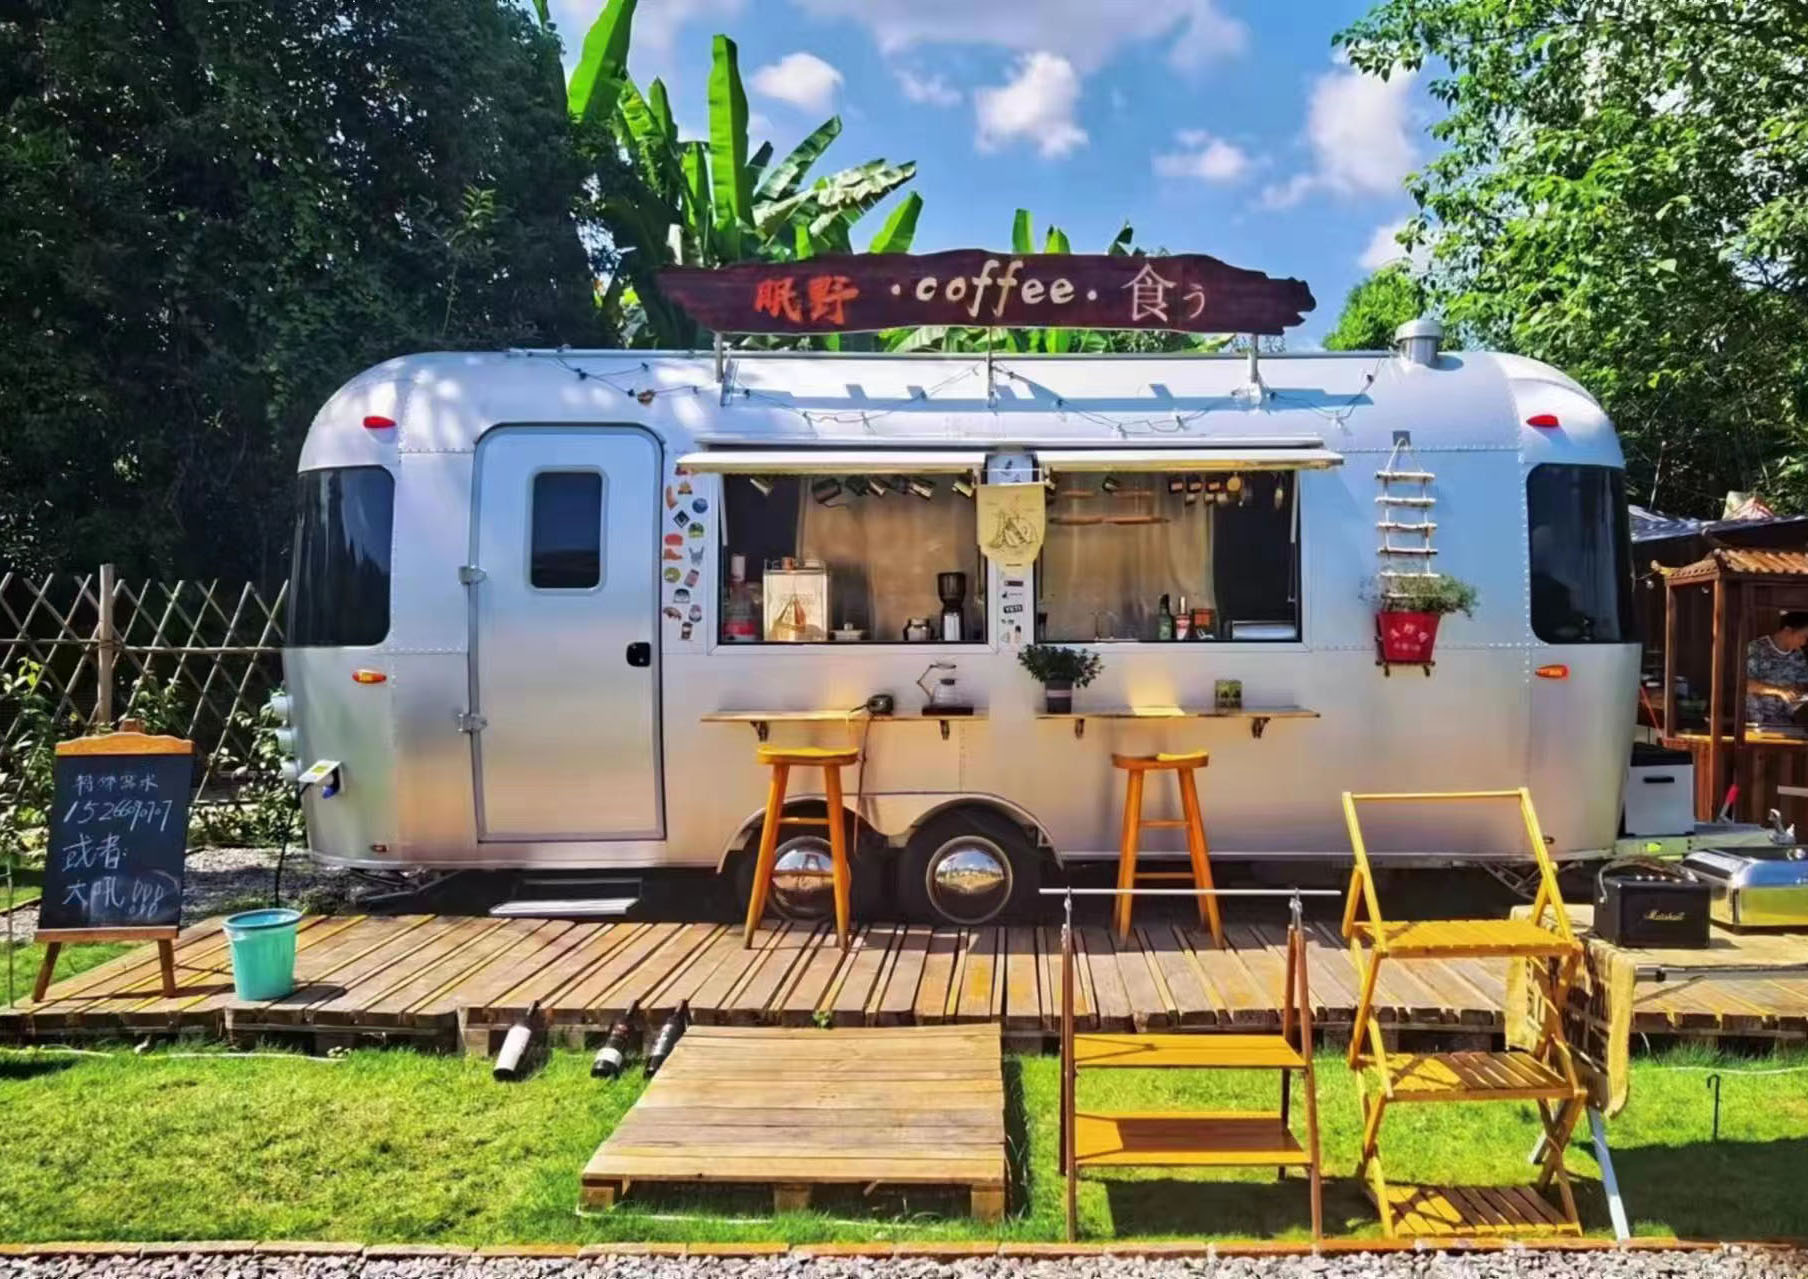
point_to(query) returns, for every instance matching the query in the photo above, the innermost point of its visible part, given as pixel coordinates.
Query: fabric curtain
(883, 555)
(1116, 545)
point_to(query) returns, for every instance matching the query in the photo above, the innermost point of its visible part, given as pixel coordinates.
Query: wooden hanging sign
(118, 839)
(844, 293)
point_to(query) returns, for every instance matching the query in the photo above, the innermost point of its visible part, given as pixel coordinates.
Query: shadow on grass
(1713, 1189)
(24, 1069)
(1016, 1140)
(1162, 1206)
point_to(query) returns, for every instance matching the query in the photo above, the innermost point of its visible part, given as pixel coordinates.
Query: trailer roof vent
(1417, 341)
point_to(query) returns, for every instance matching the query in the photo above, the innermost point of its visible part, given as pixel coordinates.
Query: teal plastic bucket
(263, 952)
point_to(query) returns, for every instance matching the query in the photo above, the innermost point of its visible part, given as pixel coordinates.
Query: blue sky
(1215, 126)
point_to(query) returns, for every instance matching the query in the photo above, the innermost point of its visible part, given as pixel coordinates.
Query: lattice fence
(197, 659)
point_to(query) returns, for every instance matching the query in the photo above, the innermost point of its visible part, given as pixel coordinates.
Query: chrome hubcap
(968, 880)
(803, 879)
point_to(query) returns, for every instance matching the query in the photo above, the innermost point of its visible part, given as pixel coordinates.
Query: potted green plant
(1060, 670)
(1409, 609)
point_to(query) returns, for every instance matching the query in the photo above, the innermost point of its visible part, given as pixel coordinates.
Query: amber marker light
(1557, 671)
(364, 675)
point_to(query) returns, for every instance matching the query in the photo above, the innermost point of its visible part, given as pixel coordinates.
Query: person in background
(1776, 673)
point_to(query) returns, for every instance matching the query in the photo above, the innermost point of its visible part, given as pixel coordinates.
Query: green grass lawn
(395, 1145)
(28, 886)
(22, 963)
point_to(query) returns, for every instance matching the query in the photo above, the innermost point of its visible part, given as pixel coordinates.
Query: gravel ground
(222, 879)
(1729, 1264)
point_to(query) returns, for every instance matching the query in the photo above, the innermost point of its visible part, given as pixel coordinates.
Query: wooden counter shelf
(1258, 716)
(1186, 1139)
(763, 721)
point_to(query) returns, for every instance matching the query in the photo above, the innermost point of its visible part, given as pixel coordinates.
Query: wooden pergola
(1741, 592)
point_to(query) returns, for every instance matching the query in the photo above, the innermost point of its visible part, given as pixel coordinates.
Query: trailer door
(564, 640)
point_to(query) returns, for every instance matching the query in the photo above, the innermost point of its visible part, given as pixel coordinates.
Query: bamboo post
(1669, 728)
(106, 642)
(1716, 697)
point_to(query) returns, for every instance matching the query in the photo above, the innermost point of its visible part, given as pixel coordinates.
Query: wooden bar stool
(1182, 766)
(782, 759)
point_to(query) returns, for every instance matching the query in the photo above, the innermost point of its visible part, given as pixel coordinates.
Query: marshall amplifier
(1642, 902)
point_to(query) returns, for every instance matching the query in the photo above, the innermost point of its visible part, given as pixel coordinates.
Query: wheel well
(995, 811)
(746, 839)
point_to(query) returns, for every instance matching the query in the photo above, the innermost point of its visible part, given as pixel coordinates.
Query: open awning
(834, 461)
(1192, 459)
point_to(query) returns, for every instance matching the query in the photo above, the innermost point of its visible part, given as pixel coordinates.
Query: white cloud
(1360, 130)
(1203, 157)
(1037, 105)
(1084, 32)
(930, 90)
(801, 79)
(1384, 249)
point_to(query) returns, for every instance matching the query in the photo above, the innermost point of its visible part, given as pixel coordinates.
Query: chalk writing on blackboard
(118, 837)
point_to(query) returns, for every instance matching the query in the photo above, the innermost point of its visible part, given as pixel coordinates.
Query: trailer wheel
(802, 876)
(969, 867)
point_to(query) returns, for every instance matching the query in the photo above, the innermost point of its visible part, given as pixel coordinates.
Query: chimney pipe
(1417, 341)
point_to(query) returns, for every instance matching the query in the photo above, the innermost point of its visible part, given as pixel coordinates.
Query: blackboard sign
(118, 834)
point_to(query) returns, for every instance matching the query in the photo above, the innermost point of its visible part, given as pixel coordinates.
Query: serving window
(851, 558)
(1219, 548)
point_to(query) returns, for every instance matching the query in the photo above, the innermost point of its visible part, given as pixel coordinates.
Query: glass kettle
(941, 685)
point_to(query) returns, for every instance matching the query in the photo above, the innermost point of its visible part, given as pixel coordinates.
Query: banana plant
(1049, 341)
(690, 202)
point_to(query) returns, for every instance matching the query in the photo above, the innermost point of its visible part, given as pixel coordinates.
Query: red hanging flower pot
(1407, 637)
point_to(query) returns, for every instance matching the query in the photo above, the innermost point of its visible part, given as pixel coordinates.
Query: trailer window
(1221, 545)
(566, 552)
(339, 582)
(1581, 554)
(854, 558)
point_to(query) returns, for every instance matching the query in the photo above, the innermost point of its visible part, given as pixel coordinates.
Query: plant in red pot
(1406, 624)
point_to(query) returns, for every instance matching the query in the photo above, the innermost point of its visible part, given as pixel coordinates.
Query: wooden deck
(434, 978)
(904, 1106)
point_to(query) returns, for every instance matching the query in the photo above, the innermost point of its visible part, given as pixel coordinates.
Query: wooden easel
(131, 740)
(53, 940)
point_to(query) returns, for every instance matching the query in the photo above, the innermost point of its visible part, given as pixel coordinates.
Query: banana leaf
(696, 199)
(1121, 242)
(1020, 233)
(900, 228)
(603, 65)
(661, 107)
(649, 145)
(843, 197)
(785, 179)
(728, 147)
(757, 165)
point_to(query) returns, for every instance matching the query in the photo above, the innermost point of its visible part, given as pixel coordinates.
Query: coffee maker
(952, 587)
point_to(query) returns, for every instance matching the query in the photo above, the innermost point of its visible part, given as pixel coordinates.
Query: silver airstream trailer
(544, 601)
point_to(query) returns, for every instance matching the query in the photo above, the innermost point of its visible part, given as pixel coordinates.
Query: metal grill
(197, 659)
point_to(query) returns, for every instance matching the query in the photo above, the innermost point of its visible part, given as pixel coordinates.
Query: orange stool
(782, 759)
(1183, 767)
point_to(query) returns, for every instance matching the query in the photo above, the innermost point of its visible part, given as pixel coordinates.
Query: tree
(1624, 193)
(1375, 308)
(707, 203)
(217, 212)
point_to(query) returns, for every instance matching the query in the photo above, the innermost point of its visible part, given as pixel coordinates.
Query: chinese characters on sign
(849, 293)
(118, 835)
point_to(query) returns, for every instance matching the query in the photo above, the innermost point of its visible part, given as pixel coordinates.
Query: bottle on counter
(1164, 620)
(613, 1055)
(1183, 621)
(740, 608)
(668, 1037)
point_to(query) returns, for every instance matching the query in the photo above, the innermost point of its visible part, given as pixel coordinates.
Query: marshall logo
(1663, 917)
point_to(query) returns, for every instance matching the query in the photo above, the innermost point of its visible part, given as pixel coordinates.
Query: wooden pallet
(795, 1109)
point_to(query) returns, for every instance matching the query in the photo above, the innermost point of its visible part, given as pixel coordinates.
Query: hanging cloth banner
(1012, 519)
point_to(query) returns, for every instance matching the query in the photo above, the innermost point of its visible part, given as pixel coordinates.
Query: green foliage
(1622, 192)
(1051, 663)
(27, 759)
(215, 214)
(1375, 308)
(1440, 593)
(671, 201)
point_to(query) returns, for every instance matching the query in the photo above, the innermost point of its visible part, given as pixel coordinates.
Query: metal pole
(1610, 1181)
(107, 648)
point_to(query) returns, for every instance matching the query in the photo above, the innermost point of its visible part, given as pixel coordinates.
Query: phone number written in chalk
(132, 812)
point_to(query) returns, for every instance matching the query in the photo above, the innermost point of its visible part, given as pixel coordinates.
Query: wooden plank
(752, 1000)
(1193, 1004)
(815, 976)
(863, 980)
(1241, 999)
(1022, 1011)
(897, 997)
(203, 998)
(682, 948)
(434, 992)
(711, 1002)
(1084, 1016)
(939, 967)
(505, 969)
(1109, 995)
(567, 985)
(1149, 1008)
(317, 970)
(723, 953)
(373, 975)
